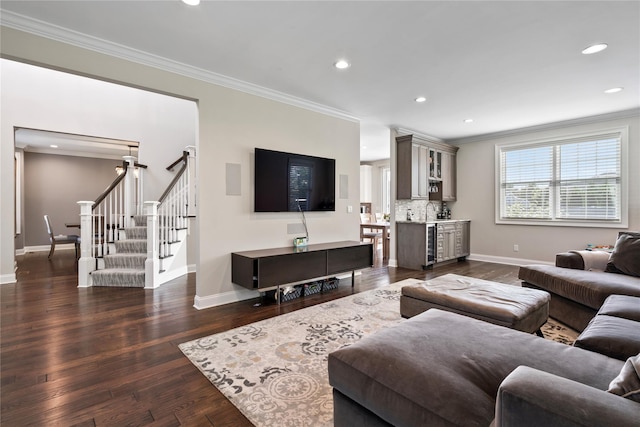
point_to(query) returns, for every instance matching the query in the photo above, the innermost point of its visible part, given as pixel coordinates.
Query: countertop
(437, 221)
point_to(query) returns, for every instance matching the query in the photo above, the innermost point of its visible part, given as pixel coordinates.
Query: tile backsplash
(423, 210)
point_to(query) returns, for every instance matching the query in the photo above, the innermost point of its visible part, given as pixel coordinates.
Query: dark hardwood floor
(110, 357)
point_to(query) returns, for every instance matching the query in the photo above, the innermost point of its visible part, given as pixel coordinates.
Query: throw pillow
(625, 258)
(627, 383)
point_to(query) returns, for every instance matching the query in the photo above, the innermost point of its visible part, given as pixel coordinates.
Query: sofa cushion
(612, 336)
(622, 306)
(442, 368)
(589, 288)
(627, 383)
(625, 258)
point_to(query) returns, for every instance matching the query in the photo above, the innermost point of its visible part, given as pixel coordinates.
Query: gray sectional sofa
(579, 285)
(445, 369)
(440, 368)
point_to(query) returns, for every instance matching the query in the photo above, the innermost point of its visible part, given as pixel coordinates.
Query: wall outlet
(515, 248)
(349, 209)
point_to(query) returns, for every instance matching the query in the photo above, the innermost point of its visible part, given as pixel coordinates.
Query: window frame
(554, 141)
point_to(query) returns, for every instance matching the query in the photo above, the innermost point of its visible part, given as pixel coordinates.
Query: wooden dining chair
(368, 234)
(60, 238)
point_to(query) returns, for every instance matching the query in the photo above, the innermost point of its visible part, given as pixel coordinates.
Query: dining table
(383, 226)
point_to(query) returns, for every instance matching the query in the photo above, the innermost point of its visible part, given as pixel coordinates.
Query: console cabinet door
(276, 270)
(345, 259)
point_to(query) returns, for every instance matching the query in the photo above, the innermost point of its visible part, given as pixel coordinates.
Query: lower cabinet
(415, 245)
(420, 245)
(452, 240)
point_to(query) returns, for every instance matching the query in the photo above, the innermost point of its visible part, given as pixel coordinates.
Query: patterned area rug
(275, 371)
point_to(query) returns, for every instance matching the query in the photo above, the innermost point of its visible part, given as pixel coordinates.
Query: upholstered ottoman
(615, 330)
(518, 308)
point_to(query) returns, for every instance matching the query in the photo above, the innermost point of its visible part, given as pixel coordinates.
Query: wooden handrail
(113, 185)
(173, 182)
(183, 158)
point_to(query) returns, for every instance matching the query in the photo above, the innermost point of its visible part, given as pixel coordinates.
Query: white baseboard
(5, 279)
(506, 260)
(45, 248)
(210, 301)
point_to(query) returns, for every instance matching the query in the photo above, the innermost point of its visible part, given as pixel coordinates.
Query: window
(577, 180)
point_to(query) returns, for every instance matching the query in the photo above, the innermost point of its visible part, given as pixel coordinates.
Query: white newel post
(86, 263)
(152, 264)
(129, 191)
(140, 192)
(191, 185)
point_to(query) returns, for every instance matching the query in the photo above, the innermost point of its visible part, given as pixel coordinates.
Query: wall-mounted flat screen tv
(288, 182)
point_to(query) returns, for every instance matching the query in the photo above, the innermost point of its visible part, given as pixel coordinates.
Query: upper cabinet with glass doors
(425, 169)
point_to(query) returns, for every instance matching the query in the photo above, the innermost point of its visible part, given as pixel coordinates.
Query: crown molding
(43, 29)
(634, 112)
(400, 131)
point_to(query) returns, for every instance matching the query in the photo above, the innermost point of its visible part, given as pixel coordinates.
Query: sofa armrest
(529, 397)
(569, 260)
(583, 260)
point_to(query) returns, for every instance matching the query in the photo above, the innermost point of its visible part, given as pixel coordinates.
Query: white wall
(40, 98)
(476, 190)
(53, 184)
(231, 125)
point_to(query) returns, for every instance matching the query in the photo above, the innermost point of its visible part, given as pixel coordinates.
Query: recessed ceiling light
(594, 48)
(421, 99)
(342, 64)
(53, 146)
(468, 120)
(613, 90)
(191, 2)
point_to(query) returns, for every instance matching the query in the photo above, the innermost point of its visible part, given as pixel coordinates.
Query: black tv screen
(287, 182)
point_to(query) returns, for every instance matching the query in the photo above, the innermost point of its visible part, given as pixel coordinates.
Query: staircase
(125, 267)
(129, 243)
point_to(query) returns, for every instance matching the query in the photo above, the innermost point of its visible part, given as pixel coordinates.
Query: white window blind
(575, 179)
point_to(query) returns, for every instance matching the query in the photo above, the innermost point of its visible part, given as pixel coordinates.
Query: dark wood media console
(269, 268)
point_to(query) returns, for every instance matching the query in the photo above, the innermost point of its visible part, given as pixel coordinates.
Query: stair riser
(137, 233)
(118, 278)
(131, 246)
(123, 261)
(140, 220)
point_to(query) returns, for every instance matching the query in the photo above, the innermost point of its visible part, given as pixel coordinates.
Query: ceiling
(505, 64)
